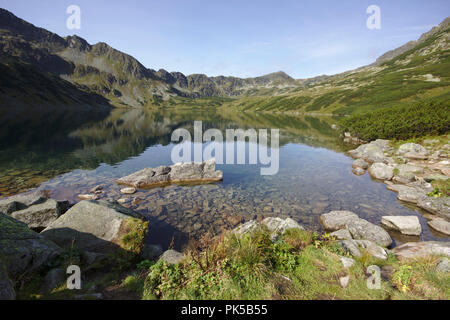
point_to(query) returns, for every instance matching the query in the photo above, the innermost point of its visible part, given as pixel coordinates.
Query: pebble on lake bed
(128, 190)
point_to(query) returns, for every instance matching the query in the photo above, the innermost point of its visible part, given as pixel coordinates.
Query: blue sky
(243, 38)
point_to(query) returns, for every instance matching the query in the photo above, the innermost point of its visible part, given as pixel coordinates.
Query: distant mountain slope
(419, 68)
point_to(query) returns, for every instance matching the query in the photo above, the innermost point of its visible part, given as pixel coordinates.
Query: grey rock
(177, 173)
(441, 225)
(347, 262)
(443, 265)
(343, 281)
(39, 216)
(407, 172)
(53, 279)
(438, 206)
(414, 250)
(95, 226)
(361, 229)
(23, 250)
(408, 225)
(412, 149)
(92, 260)
(278, 226)
(360, 163)
(247, 228)
(381, 171)
(20, 202)
(172, 257)
(372, 248)
(128, 190)
(435, 177)
(351, 247)
(6, 286)
(342, 234)
(336, 220)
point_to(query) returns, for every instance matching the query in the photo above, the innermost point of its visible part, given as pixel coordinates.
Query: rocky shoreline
(100, 235)
(410, 170)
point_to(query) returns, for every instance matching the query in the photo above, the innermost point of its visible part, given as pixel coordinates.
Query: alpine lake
(68, 151)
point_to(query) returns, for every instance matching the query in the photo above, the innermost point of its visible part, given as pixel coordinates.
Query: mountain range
(38, 66)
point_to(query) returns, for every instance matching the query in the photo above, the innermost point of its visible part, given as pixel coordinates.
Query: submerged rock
(96, 226)
(177, 173)
(408, 225)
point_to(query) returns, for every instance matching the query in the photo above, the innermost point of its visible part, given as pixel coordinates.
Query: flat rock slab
(414, 250)
(95, 226)
(438, 206)
(20, 202)
(441, 225)
(190, 172)
(408, 225)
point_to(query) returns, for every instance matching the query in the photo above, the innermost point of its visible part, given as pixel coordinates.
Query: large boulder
(381, 171)
(336, 220)
(99, 226)
(438, 206)
(39, 216)
(414, 250)
(361, 229)
(23, 250)
(407, 225)
(178, 173)
(6, 286)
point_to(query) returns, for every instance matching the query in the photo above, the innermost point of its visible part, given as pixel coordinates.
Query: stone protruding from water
(188, 172)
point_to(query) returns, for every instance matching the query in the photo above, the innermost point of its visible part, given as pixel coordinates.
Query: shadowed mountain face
(109, 72)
